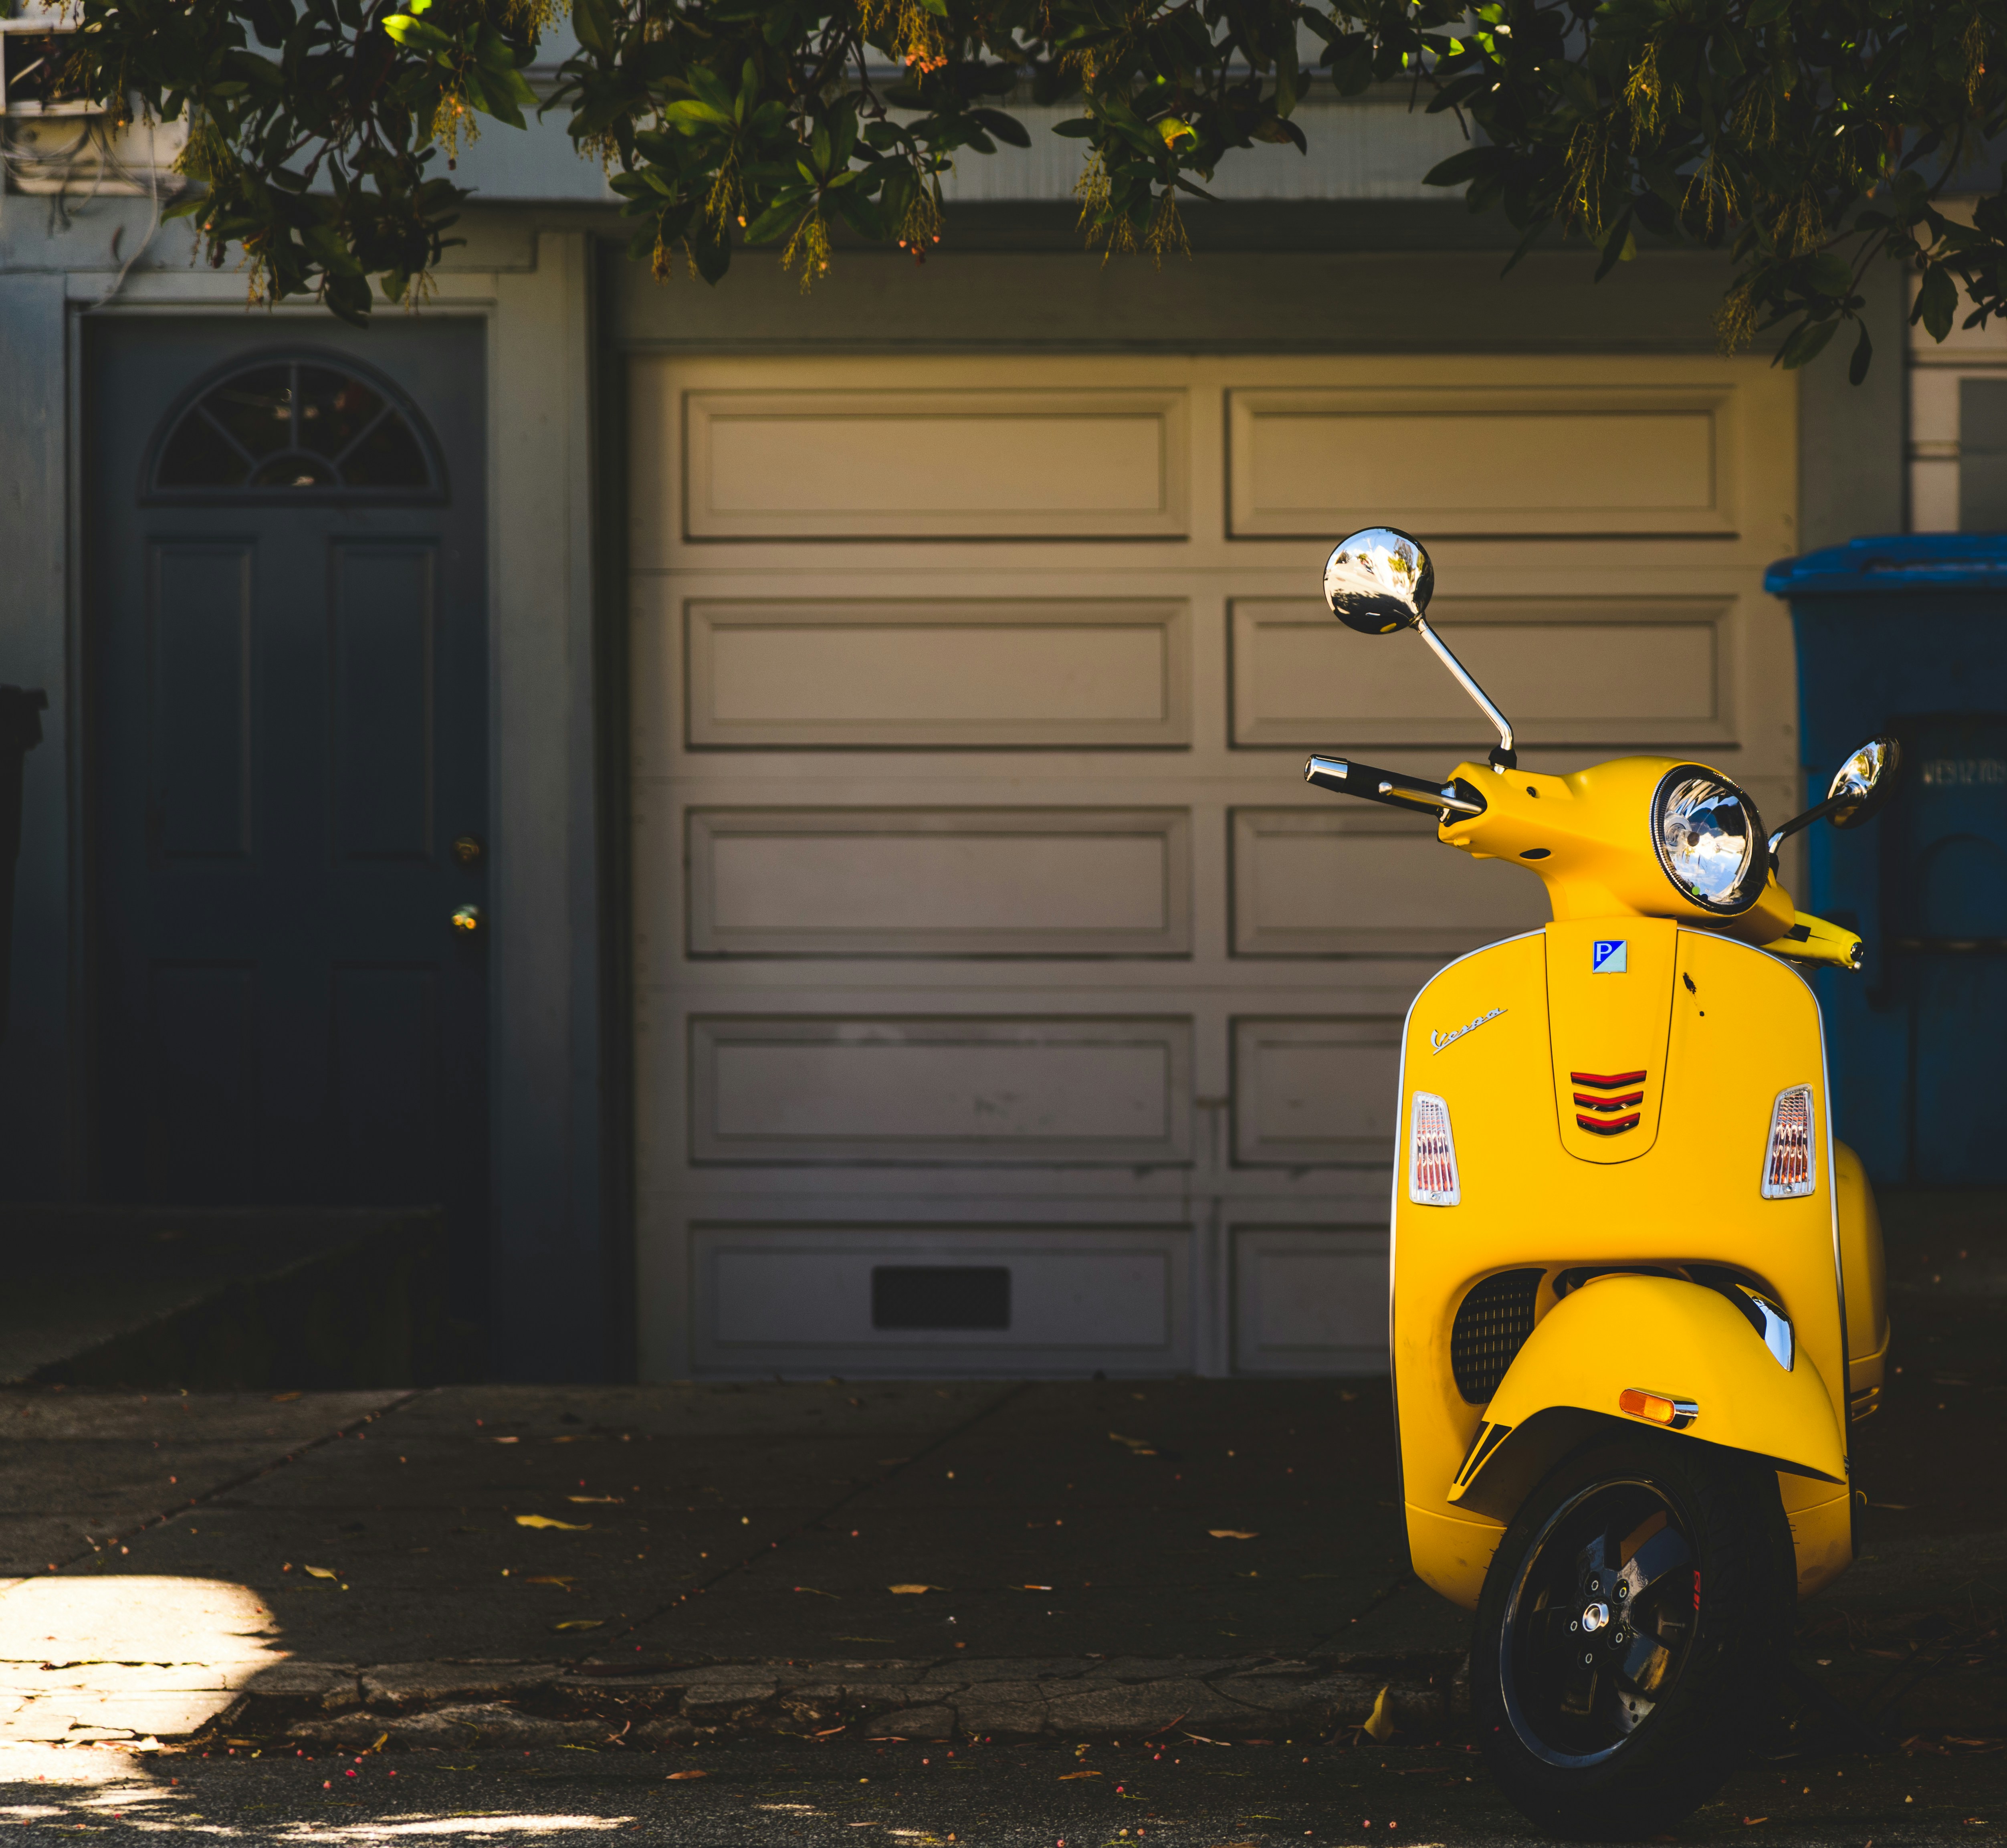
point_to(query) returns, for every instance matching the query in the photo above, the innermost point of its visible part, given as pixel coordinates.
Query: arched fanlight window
(296, 428)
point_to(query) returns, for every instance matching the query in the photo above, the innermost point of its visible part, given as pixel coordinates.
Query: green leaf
(1078, 128)
(1937, 301)
(416, 34)
(1808, 341)
(1619, 246)
(591, 20)
(1005, 127)
(1466, 164)
(1864, 353)
(691, 112)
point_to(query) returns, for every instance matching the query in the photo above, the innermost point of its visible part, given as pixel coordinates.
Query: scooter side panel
(1863, 1266)
(1477, 1036)
(1822, 1530)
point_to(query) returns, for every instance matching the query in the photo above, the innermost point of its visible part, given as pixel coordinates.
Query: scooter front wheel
(1629, 1634)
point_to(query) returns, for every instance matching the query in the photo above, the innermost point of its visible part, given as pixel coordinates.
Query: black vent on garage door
(1492, 1325)
(943, 1296)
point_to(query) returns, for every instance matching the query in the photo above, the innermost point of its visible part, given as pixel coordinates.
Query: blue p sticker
(1607, 957)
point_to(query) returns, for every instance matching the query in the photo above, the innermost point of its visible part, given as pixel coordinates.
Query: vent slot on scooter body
(1492, 1323)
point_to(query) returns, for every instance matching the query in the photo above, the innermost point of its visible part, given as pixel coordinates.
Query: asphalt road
(1004, 1796)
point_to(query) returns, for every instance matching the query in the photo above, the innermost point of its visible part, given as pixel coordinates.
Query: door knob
(467, 920)
(468, 850)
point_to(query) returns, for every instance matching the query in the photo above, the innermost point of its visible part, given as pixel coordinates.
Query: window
(290, 428)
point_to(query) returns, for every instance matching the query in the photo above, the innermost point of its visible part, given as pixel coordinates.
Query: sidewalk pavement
(489, 1564)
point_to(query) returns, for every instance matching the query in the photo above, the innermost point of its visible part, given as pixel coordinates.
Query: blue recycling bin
(1908, 635)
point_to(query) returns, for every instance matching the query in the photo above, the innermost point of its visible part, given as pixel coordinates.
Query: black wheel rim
(1601, 1619)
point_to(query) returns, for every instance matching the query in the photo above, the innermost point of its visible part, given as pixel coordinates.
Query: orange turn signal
(1656, 1408)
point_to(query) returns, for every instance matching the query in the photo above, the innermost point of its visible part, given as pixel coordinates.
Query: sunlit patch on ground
(131, 1657)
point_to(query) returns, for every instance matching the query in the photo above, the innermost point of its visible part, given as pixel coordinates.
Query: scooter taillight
(1432, 1178)
(1788, 1173)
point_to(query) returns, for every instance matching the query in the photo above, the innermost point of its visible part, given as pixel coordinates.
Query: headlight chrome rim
(1754, 871)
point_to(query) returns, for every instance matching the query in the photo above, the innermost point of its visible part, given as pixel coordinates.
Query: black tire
(1619, 1729)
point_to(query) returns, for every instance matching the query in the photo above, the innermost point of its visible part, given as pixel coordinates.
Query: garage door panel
(1310, 1300)
(932, 1089)
(1476, 461)
(995, 1298)
(1356, 881)
(965, 673)
(1632, 673)
(939, 882)
(934, 464)
(982, 921)
(1316, 1092)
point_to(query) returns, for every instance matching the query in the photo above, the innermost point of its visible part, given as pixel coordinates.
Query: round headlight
(1710, 840)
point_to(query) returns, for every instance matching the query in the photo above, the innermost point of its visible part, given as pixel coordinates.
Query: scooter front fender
(1662, 1336)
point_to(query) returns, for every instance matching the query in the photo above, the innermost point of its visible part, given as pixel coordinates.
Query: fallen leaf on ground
(579, 1623)
(913, 1591)
(556, 1579)
(813, 1592)
(612, 1498)
(1751, 1821)
(1231, 1533)
(827, 1731)
(318, 1572)
(1071, 1774)
(1380, 1722)
(1141, 1447)
(546, 1521)
(508, 1439)
(677, 1776)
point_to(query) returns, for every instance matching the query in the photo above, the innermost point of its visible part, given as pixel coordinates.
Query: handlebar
(1392, 788)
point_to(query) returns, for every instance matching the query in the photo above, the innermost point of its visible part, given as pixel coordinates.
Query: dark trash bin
(1908, 635)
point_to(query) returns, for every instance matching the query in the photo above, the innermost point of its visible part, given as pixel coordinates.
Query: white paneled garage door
(1006, 1003)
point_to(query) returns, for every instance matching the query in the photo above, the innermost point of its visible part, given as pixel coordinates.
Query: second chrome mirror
(1862, 785)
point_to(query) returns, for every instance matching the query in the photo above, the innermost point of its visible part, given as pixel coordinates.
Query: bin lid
(1902, 564)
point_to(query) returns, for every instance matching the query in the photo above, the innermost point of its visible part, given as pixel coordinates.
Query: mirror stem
(1503, 755)
(1806, 819)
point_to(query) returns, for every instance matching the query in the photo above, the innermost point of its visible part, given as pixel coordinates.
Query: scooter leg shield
(1629, 1351)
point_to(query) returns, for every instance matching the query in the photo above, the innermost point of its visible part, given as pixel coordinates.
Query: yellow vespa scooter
(1637, 1286)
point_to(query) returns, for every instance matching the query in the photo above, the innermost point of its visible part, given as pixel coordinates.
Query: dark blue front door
(288, 672)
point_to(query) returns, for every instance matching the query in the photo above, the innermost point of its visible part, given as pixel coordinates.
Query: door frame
(561, 1303)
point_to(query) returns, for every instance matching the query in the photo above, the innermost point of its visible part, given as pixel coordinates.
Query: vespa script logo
(1438, 1042)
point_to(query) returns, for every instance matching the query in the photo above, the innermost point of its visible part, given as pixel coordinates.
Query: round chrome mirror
(1378, 580)
(1863, 784)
